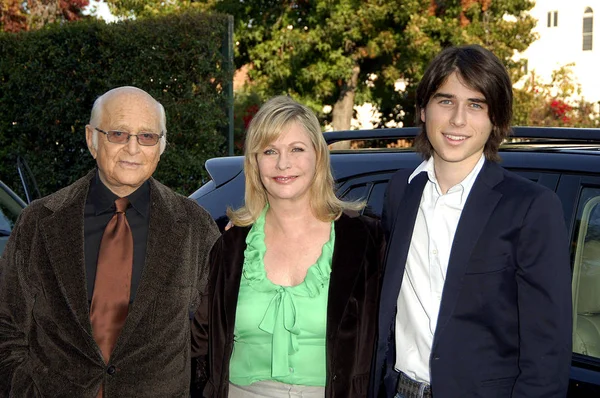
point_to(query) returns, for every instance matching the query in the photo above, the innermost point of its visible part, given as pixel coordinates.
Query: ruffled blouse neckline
(317, 275)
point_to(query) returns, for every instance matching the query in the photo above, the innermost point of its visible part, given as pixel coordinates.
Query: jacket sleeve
(544, 300)
(16, 302)
(199, 328)
(392, 197)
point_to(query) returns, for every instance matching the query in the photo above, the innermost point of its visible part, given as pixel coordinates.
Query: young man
(476, 298)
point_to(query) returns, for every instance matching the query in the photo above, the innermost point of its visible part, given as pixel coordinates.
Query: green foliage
(50, 79)
(557, 103)
(308, 49)
(152, 8)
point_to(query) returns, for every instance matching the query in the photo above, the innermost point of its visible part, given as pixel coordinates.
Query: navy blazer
(504, 325)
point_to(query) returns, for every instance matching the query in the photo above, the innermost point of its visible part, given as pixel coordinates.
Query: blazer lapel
(348, 247)
(479, 206)
(64, 240)
(397, 250)
(166, 219)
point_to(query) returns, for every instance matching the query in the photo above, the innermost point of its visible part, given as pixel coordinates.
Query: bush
(50, 79)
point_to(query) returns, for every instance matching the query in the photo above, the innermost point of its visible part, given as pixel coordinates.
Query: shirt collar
(464, 186)
(103, 199)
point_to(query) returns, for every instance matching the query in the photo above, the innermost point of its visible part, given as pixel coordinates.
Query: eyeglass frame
(129, 135)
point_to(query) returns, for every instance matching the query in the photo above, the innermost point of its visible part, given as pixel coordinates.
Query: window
(9, 211)
(552, 18)
(588, 29)
(373, 193)
(586, 276)
(370, 188)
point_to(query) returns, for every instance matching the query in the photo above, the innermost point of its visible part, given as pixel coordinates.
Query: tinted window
(375, 203)
(9, 212)
(357, 192)
(586, 276)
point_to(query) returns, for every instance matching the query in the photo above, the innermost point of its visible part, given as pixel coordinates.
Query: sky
(101, 10)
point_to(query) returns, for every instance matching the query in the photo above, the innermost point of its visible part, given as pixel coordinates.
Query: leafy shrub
(49, 80)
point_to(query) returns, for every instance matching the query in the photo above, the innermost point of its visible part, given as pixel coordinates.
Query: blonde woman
(293, 289)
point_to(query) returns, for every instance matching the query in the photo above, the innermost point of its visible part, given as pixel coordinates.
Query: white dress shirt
(425, 273)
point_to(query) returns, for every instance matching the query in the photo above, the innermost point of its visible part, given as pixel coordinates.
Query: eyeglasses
(122, 137)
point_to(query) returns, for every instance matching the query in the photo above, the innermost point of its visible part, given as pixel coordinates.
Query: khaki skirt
(274, 389)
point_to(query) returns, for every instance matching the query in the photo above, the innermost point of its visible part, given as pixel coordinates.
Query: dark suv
(563, 159)
(10, 208)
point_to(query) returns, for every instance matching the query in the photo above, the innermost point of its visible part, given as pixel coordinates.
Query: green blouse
(279, 331)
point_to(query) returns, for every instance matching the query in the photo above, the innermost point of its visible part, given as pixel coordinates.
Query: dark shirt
(99, 209)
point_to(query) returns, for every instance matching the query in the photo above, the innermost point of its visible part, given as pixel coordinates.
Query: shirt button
(111, 370)
(291, 370)
(434, 252)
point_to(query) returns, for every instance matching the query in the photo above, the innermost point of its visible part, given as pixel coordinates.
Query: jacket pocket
(488, 265)
(497, 388)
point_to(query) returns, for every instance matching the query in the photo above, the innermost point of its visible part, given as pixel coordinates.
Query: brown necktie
(110, 301)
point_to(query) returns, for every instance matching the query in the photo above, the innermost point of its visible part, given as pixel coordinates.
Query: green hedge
(49, 80)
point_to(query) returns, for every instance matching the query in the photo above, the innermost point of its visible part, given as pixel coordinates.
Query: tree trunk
(343, 109)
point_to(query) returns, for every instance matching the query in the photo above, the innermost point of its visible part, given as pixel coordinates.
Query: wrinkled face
(125, 167)
(458, 125)
(287, 166)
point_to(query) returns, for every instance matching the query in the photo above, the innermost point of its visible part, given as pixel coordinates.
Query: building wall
(562, 44)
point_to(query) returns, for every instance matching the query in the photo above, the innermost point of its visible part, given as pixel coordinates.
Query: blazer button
(334, 378)
(111, 370)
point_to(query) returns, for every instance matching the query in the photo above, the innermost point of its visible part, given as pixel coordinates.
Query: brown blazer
(46, 343)
(351, 312)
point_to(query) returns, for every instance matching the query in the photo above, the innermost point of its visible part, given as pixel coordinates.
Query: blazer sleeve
(393, 194)
(16, 302)
(205, 232)
(544, 300)
(199, 327)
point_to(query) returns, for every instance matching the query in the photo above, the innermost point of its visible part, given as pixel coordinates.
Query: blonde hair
(266, 126)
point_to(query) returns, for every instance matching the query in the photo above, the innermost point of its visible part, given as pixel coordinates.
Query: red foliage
(71, 9)
(249, 114)
(12, 18)
(560, 110)
(17, 15)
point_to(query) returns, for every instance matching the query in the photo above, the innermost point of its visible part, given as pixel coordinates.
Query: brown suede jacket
(46, 343)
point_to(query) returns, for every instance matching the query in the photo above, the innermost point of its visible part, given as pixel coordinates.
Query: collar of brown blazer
(62, 230)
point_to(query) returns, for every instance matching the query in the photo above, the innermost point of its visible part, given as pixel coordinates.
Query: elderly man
(98, 279)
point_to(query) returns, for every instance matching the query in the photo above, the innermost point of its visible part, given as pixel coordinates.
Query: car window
(357, 192)
(9, 212)
(375, 202)
(370, 188)
(586, 275)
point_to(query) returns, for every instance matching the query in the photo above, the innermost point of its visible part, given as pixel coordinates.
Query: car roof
(577, 149)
